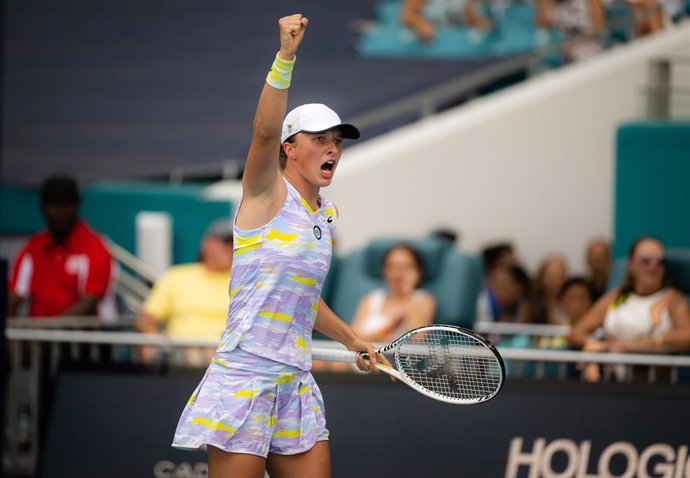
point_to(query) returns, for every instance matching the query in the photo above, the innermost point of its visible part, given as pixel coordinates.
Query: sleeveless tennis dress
(258, 395)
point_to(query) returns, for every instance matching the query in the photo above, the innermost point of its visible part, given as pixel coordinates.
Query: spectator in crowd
(504, 299)
(581, 22)
(576, 298)
(544, 306)
(642, 315)
(65, 270)
(191, 300)
(652, 16)
(423, 16)
(598, 265)
(383, 315)
(497, 256)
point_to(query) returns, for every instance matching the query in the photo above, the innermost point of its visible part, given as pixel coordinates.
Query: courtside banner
(111, 424)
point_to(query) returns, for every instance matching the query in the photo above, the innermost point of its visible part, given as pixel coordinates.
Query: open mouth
(328, 166)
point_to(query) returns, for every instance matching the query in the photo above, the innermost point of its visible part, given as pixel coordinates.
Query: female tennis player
(258, 406)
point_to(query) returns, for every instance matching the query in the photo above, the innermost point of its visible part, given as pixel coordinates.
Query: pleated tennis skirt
(250, 404)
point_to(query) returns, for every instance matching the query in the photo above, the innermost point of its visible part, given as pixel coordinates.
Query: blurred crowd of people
(644, 314)
(585, 25)
(553, 296)
(66, 270)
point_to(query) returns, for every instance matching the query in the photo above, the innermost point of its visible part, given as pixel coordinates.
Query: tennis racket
(443, 362)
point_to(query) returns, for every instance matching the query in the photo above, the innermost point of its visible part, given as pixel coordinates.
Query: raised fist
(291, 34)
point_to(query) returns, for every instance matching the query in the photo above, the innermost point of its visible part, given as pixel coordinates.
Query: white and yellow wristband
(280, 73)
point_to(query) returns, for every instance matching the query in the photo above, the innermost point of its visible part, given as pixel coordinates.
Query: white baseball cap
(315, 118)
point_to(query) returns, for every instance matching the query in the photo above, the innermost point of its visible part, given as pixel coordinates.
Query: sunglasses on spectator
(649, 261)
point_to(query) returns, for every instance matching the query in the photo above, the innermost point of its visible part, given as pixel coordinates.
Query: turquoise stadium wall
(111, 208)
(652, 189)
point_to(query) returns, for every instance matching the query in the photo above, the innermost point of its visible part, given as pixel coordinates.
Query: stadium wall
(533, 163)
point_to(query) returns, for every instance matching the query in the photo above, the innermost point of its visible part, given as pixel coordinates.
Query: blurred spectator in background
(643, 315)
(582, 23)
(654, 15)
(191, 300)
(67, 269)
(497, 256)
(451, 236)
(384, 315)
(500, 277)
(423, 16)
(544, 306)
(576, 298)
(598, 265)
(505, 297)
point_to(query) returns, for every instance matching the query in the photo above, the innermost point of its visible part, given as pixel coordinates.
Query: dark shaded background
(133, 88)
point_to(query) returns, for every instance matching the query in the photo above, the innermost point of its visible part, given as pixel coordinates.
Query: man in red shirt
(66, 269)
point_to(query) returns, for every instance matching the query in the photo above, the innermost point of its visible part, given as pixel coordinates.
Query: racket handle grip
(333, 355)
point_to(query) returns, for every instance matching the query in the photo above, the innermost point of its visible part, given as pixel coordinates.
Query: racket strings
(450, 364)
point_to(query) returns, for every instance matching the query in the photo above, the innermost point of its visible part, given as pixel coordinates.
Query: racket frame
(339, 355)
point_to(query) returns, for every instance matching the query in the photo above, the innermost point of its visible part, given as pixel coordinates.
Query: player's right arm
(262, 186)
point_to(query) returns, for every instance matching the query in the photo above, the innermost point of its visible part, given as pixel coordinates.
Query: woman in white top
(643, 315)
(384, 315)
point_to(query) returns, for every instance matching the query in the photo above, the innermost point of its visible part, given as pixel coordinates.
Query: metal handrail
(133, 262)
(661, 91)
(133, 288)
(574, 356)
(133, 338)
(426, 101)
(70, 322)
(533, 330)
(134, 284)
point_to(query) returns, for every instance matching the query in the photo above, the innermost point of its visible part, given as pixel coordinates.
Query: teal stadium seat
(453, 277)
(677, 268)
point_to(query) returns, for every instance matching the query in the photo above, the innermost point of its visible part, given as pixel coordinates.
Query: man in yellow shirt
(191, 300)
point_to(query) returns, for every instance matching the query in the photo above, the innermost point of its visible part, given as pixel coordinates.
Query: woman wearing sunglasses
(645, 314)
